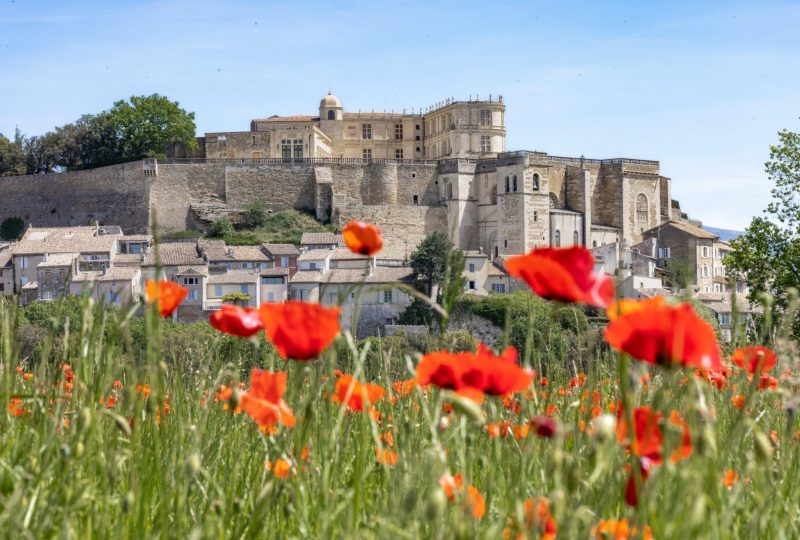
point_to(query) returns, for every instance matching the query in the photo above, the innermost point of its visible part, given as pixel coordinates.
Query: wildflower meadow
(283, 426)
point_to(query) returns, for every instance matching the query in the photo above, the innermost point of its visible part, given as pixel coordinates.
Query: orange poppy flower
(666, 335)
(263, 401)
(737, 401)
(453, 485)
(538, 522)
(168, 295)
(300, 330)
(729, 478)
(755, 359)
(15, 407)
(564, 274)
(362, 238)
(236, 321)
(386, 456)
(612, 529)
(360, 395)
(281, 468)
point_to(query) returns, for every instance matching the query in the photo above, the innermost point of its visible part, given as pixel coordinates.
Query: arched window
(493, 195)
(449, 191)
(496, 252)
(331, 115)
(641, 208)
(575, 238)
(594, 243)
(515, 182)
(507, 185)
(557, 238)
(536, 182)
(553, 201)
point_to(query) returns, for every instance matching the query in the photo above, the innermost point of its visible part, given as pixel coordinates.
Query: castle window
(331, 115)
(398, 132)
(493, 195)
(575, 238)
(486, 143)
(449, 191)
(366, 154)
(486, 117)
(515, 182)
(366, 131)
(553, 201)
(417, 128)
(286, 149)
(535, 215)
(641, 208)
(505, 243)
(254, 140)
(507, 185)
(418, 138)
(536, 182)
(398, 153)
(557, 238)
(418, 149)
(416, 199)
(594, 244)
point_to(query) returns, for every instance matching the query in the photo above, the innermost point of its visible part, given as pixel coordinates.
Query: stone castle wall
(116, 194)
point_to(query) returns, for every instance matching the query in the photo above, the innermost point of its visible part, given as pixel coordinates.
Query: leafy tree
(12, 228)
(429, 261)
(146, 124)
(767, 255)
(12, 157)
(678, 274)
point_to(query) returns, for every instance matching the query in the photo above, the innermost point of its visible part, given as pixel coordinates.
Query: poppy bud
(437, 503)
(79, 448)
(763, 446)
(163, 367)
(127, 502)
(604, 428)
(544, 426)
(467, 407)
(84, 419)
(444, 423)
(236, 397)
(192, 464)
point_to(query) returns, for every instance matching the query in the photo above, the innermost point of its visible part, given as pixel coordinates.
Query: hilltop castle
(445, 168)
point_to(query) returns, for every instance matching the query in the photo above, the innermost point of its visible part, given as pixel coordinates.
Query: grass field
(106, 436)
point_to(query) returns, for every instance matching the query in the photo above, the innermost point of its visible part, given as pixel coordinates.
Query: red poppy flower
(767, 382)
(647, 439)
(361, 395)
(631, 491)
(263, 401)
(236, 321)
(168, 295)
(544, 426)
(480, 372)
(664, 334)
(300, 330)
(362, 238)
(564, 274)
(755, 359)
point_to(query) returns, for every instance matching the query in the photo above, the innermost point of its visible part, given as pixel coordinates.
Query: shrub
(254, 215)
(221, 228)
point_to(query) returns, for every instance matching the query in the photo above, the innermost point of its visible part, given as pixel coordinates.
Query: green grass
(74, 468)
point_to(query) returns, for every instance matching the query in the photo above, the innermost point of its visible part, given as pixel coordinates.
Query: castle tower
(331, 122)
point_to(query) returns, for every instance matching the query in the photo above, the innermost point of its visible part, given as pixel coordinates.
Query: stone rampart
(116, 194)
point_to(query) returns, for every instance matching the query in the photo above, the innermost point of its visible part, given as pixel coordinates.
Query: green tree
(429, 262)
(678, 274)
(144, 125)
(254, 215)
(767, 256)
(12, 157)
(221, 228)
(12, 228)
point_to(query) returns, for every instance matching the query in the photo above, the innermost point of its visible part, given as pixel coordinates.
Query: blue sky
(701, 86)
